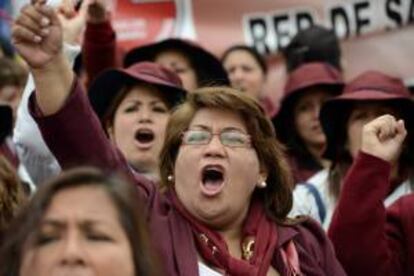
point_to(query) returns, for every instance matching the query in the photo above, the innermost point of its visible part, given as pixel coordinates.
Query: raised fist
(383, 137)
(37, 34)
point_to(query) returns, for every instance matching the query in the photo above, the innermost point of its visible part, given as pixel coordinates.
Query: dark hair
(284, 123)
(340, 165)
(314, 44)
(277, 196)
(122, 194)
(12, 195)
(78, 67)
(208, 69)
(343, 161)
(204, 72)
(411, 88)
(252, 51)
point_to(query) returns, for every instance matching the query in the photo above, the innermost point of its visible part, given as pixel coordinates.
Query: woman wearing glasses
(225, 187)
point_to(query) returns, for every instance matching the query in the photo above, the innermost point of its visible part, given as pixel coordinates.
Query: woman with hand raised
(225, 186)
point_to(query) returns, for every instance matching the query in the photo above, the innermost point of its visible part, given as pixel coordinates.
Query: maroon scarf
(258, 245)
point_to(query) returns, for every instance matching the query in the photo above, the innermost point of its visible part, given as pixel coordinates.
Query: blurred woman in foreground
(81, 223)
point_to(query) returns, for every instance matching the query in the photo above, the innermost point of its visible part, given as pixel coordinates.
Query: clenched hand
(383, 137)
(37, 34)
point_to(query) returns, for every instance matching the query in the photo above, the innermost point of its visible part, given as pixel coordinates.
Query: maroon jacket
(98, 49)
(75, 137)
(368, 239)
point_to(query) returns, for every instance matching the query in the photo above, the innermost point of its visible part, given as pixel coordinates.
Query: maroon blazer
(369, 239)
(75, 137)
(98, 49)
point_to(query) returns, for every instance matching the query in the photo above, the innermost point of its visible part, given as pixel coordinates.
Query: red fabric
(290, 256)
(312, 74)
(368, 239)
(400, 229)
(86, 144)
(374, 85)
(214, 249)
(108, 84)
(98, 49)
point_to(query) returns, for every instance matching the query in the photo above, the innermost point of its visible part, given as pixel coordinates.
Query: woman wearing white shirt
(368, 96)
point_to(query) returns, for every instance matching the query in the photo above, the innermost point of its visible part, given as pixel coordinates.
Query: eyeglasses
(229, 138)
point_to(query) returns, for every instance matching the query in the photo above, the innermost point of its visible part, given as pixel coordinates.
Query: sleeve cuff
(97, 33)
(370, 159)
(38, 114)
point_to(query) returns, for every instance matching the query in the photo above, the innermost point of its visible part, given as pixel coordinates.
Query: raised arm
(37, 36)
(32, 151)
(60, 107)
(358, 229)
(99, 43)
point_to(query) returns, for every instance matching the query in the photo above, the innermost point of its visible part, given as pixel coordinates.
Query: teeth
(213, 167)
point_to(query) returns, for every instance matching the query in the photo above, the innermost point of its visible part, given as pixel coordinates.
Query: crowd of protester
(168, 160)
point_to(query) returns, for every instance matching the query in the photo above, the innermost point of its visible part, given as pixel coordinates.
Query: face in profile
(139, 125)
(306, 116)
(80, 234)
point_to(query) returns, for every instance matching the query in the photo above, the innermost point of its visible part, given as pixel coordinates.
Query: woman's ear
(110, 131)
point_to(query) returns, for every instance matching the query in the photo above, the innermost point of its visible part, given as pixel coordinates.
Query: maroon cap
(374, 85)
(106, 86)
(312, 74)
(367, 87)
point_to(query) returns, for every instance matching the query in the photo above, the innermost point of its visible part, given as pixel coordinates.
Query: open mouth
(144, 136)
(212, 178)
